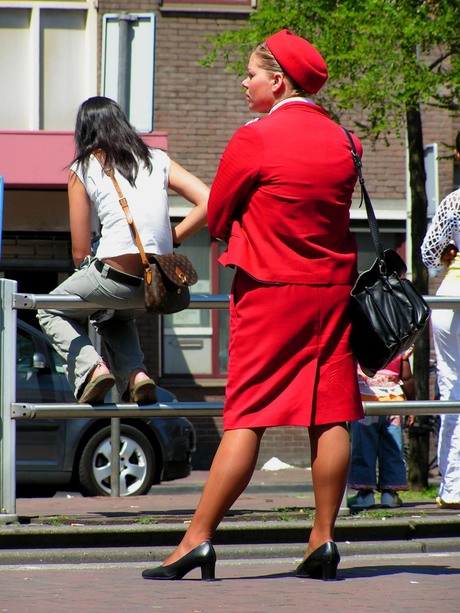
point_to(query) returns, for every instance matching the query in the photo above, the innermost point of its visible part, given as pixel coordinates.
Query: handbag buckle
(382, 266)
(181, 275)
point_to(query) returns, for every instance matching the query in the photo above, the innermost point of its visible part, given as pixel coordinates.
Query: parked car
(74, 453)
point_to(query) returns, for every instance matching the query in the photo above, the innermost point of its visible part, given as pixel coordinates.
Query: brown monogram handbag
(167, 290)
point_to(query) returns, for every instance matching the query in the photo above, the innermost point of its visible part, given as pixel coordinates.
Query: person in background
(281, 200)
(440, 250)
(378, 440)
(113, 277)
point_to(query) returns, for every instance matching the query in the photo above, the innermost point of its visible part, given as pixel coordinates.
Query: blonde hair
(269, 63)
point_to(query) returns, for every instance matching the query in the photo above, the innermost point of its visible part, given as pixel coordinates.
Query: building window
(241, 6)
(392, 234)
(250, 3)
(48, 63)
(128, 65)
(195, 341)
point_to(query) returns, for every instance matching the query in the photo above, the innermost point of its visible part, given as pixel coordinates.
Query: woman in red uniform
(281, 200)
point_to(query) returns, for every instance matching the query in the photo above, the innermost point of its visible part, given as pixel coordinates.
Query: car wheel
(137, 463)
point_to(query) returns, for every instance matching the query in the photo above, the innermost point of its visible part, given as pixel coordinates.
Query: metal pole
(7, 397)
(123, 25)
(124, 60)
(31, 410)
(57, 301)
(115, 456)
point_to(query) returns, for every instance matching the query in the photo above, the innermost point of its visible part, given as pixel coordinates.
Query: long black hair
(102, 125)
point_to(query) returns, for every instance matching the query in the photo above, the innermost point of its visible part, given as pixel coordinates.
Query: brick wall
(290, 445)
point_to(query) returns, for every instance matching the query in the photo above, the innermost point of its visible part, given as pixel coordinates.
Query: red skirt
(290, 359)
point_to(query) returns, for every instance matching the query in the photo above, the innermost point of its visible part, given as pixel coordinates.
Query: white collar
(293, 99)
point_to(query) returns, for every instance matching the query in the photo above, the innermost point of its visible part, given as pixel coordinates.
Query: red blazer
(281, 198)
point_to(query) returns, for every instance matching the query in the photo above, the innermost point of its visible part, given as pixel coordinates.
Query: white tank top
(148, 203)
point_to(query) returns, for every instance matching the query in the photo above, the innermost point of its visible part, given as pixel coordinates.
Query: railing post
(7, 396)
(115, 433)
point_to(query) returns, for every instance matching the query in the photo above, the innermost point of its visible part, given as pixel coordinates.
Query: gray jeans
(116, 324)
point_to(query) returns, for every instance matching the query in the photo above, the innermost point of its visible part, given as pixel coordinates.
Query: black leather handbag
(387, 312)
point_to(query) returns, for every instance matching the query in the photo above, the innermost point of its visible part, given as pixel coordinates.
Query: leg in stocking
(230, 473)
(330, 458)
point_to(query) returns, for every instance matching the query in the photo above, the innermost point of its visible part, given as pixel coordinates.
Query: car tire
(137, 463)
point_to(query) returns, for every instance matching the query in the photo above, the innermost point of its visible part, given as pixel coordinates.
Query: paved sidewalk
(269, 491)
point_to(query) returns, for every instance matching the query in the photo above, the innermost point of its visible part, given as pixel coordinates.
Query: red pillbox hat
(299, 59)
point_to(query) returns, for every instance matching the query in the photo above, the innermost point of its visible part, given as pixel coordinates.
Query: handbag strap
(124, 205)
(373, 225)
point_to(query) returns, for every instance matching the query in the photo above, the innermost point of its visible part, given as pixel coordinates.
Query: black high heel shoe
(203, 557)
(321, 564)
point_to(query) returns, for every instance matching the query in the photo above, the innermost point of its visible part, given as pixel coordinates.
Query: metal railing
(10, 410)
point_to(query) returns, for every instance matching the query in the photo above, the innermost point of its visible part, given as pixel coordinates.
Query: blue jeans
(375, 440)
(115, 322)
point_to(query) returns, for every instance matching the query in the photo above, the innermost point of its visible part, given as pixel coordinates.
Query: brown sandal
(144, 392)
(95, 391)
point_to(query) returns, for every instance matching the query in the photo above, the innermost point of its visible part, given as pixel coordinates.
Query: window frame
(218, 320)
(208, 6)
(35, 114)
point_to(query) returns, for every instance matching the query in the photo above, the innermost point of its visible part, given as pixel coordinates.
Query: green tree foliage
(384, 56)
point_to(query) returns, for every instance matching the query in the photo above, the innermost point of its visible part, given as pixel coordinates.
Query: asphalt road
(400, 583)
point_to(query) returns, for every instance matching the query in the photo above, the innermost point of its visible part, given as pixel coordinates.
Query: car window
(25, 353)
(39, 372)
(57, 362)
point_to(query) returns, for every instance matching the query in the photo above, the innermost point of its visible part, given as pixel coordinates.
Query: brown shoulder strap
(124, 205)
